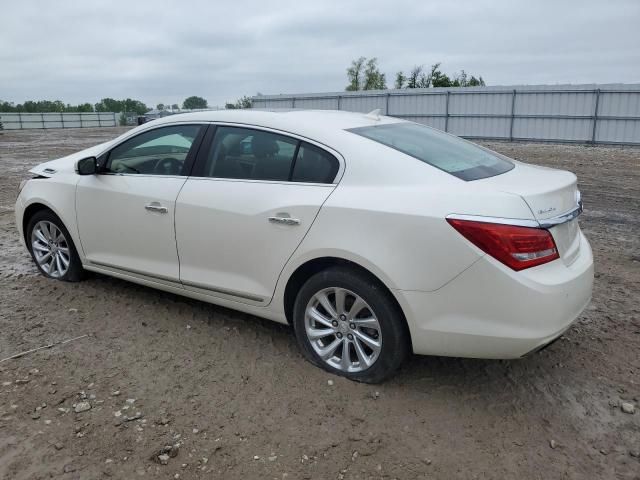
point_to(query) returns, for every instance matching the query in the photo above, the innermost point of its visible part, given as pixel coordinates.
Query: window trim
(103, 158)
(207, 144)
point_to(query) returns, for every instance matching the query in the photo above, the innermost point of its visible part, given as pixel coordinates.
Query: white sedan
(372, 236)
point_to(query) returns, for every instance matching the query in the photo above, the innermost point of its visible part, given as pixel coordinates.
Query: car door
(252, 197)
(126, 212)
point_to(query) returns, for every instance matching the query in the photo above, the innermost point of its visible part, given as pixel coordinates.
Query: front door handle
(156, 207)
(284, 220)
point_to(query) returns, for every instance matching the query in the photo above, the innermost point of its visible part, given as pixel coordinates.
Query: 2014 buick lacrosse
(372, 236)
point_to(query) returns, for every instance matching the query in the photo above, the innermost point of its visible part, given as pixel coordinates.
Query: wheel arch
(30, 211)
(39, 205)
(304, 271)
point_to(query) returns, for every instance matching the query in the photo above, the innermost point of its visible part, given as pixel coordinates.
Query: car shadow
(418, 371)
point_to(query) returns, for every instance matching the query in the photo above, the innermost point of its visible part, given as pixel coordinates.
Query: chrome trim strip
(564, 218)
(520, 222)
(223, 291)
(251, 180)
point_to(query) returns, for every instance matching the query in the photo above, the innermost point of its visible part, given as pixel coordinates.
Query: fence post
(595, 117)
(80, 115)
(339, 99)
(42, 119)
(20, 119)
(293, 102)
(99, 119)
(446, 113)
(62, 119)
(513, 114)
(115, 124)
(386, 107)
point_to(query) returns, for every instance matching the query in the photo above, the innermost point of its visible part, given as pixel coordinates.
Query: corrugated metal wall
(556, 113)
(17, 121)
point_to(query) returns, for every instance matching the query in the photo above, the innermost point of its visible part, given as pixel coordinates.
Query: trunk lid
(549, 193)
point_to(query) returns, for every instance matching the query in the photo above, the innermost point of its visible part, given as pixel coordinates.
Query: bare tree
(413, 80)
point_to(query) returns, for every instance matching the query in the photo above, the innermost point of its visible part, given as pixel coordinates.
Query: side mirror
(87, 166)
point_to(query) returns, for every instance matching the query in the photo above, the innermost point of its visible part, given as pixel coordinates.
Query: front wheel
(52, 249)
(346, 323)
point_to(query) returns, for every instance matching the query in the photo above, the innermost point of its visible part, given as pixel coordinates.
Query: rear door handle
(156, 207)
(284, 220)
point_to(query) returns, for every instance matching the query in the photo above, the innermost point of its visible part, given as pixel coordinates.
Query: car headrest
(264, 145)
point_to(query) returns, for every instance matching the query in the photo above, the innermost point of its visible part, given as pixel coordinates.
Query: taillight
(516, 247)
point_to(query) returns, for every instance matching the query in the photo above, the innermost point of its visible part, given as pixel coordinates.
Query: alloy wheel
(50, 249)
(343, 329)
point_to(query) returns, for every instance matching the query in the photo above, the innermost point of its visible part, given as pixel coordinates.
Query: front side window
(438, 149)
(161, 151)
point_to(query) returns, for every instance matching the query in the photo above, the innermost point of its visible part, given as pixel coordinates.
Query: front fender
(57, 194)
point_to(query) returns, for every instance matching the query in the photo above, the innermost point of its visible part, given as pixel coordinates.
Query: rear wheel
(346, 323)
(52, 249)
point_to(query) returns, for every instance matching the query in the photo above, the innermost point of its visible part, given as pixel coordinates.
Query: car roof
(318, 124)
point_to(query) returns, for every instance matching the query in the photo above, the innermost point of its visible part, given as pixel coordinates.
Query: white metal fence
(17, 121)
(598, 114)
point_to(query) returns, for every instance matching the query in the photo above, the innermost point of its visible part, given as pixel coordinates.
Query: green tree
(83, 107)
(7, 106)
(364, 74)
(128, 105)
(242, 102)
(194, 102)
(355, 75)
(475, 82)
(105, 105)
(373, 78)
(400, 80)
(160, 106)
(175, 107)
(436, 78)
(109, 105)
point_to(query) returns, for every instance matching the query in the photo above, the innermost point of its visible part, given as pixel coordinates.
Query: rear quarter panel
(388, 215)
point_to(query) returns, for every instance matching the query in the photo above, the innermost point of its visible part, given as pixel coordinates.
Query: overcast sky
(159, 51)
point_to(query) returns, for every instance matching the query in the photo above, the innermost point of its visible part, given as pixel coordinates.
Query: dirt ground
(237, 398)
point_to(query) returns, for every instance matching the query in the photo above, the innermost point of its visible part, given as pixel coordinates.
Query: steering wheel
(168, 166)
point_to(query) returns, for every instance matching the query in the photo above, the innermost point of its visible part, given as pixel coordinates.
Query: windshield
(446, 152)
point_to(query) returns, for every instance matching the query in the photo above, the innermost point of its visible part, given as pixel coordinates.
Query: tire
(365, 362)
(41, 228)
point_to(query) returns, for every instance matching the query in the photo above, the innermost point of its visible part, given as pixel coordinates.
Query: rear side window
(438, 149)
(314, 165)
(250, 154)
(245, 153)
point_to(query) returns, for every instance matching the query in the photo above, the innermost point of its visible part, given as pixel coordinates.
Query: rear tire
(52, 248)
(347, 323)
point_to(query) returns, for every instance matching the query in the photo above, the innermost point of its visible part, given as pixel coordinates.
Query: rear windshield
(446, 152)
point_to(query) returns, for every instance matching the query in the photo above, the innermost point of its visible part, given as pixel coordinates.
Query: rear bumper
(490, 311)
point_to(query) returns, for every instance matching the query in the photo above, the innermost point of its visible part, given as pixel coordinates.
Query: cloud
(162, 51)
